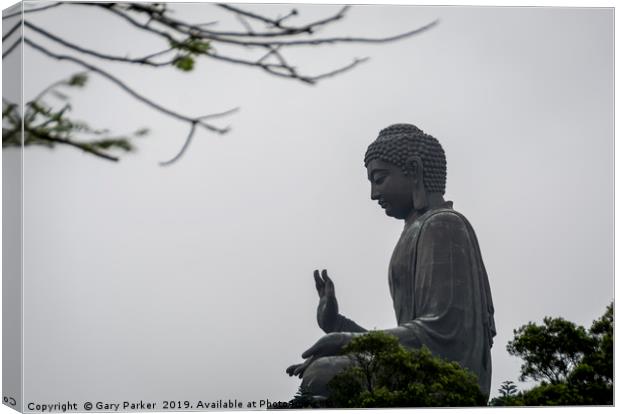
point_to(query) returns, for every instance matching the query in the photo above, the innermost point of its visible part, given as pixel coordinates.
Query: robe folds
(441, 297)
(441, 292)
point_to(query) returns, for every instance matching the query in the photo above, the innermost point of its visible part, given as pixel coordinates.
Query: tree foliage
(385, 374)
(550, 351)
(263, 43)
(508, 395)
(574, 365)
(508, 389)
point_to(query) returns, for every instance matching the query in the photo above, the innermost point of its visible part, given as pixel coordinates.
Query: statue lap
(321, 371)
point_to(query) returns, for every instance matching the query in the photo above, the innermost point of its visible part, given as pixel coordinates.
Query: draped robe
(441, 297)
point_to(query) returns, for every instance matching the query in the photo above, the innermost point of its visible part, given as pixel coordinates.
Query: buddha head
(406, 168)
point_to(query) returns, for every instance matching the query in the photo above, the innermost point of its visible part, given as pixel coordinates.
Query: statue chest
(401, 275)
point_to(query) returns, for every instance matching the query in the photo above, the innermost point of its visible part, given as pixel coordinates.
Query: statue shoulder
(446, 216)
(442, 223)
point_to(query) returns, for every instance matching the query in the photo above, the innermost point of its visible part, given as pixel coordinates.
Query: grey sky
(195, 281)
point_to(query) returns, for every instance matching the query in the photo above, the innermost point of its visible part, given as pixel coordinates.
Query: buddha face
(391, 188)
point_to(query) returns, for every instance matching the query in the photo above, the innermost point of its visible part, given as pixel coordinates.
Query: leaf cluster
(43, 125)
(385, 374)
(189, 49)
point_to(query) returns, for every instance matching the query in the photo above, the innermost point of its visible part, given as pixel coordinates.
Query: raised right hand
(327, 311)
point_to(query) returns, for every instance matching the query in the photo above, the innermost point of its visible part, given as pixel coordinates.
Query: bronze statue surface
(437, 278)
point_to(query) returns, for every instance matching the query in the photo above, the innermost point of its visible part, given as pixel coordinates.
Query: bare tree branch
(285, 30)
(192, 30)
(251, 15)
(11, 48)
(19, 13)
(332, 40)
(272, 46)
(110, 8)
(189, 41)
(125, 87)
(276, 23)
(289, 71)
(143, 61)
(12, 30)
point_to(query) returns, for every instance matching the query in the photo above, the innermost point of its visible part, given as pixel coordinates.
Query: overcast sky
(195, 281)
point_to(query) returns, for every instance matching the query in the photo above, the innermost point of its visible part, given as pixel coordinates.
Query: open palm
(327, 310)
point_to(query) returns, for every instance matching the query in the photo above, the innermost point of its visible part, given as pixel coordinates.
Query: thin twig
(244, 23)
(18, 13)
(92, 52)
(292, 13)
(50, 120)
(152, 55)
(134, 22)
(183, 149)
(284, 63)
(213, 23)
(220, 114)
(46, 90)
(12, 47)
(291, 72)
(83, 146)
(251, 15)
(331, 40)
(11, 31)
(338, 71)
(270, 53)
(40, 95)
(284, 30)
(266, 67)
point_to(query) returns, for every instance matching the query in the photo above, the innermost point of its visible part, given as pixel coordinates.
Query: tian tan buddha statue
(437, 279)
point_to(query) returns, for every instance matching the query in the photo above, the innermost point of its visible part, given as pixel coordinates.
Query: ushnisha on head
(407, 170)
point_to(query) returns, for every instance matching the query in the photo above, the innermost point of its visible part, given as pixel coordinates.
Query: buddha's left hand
(299, 369)
(329, 345)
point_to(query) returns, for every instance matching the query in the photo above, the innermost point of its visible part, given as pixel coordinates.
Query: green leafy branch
(45, 126)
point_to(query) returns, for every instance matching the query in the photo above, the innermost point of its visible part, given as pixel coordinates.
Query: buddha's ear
(415, 167)
(416, 170)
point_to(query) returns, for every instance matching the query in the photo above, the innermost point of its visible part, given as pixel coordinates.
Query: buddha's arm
(344, 324)
(406, 336)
